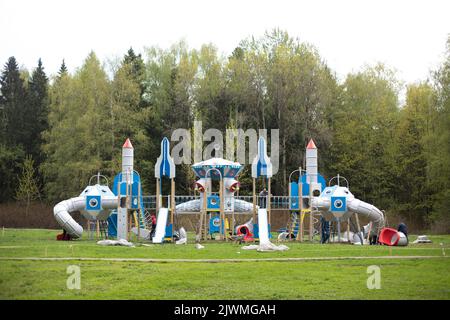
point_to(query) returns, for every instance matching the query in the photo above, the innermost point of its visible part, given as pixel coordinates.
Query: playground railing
(276, 202)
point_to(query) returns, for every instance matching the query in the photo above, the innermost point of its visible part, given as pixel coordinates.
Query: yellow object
(302, 216)
(135, 219)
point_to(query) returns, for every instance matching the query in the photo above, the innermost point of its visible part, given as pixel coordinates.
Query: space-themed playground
(317, 242)
(318, 210)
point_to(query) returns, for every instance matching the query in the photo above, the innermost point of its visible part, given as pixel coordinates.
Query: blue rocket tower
(261, 168)
(164, 167)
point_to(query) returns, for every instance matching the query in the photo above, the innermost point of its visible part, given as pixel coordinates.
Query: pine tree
(13, 103)
(62, 70)
(136, 70)
(38, 110)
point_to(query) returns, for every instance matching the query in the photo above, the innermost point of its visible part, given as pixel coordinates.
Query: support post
(254, 200)
(221, 212)
(268, 201)
(368, 233)
(172, 202)
(300, 206)
(348, 230)
(203, 231)
(158, 192)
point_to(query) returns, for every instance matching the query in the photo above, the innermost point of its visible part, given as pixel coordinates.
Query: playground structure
(124, 210)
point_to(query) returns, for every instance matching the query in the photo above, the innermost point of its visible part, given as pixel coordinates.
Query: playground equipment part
(213, 206)
(337, 201)
(164, 167)
(261, 168)
(161, 225)
(264, 241)
(392, 237)
(246, 230)
(97, 202)
(94, 203)
(332, 202)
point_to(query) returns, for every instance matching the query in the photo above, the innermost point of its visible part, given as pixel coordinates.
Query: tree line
(57, 131)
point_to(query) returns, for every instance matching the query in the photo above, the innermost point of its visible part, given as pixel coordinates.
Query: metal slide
(161, 223)
(353, 205)
(263, 230)
(64, 208)
(263, 227)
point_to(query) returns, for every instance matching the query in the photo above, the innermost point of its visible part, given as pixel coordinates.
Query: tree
(10, 160)
(413, 199)
(439, 144)
(363, 130)
(28, 189)
(79, 140)
(63, 69)
(38, 111)
(13, 104)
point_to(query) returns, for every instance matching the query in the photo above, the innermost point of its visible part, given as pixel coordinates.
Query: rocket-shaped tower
(127, 162)
(311, 162)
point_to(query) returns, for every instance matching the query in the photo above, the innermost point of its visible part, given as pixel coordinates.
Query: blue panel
(214, 224)
(255, 231)
(112, 224)
(338, 204)
(93, 203)
(213, 203)
(123, 188)
(293, 201)
(169, 231)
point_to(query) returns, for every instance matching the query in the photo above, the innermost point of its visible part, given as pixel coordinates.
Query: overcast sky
(408, 35)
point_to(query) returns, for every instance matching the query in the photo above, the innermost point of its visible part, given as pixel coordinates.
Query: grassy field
(410, 278)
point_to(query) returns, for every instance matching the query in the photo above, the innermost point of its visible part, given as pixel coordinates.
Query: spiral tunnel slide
(354, 205)
(63, 210)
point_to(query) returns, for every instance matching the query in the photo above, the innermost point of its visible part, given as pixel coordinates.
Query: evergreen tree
(63, 69)
(136, 71)
(38, 111)
(13, 104)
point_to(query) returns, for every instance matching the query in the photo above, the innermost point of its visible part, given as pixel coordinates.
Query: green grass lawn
(325, 279)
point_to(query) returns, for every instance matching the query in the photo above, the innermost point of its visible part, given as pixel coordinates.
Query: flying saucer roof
(227, 168)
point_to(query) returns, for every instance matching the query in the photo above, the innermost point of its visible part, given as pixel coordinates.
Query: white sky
(408, 35)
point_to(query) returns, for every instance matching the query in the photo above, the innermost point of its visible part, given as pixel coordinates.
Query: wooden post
(368, 233)
(130, 217)
(254, 200)
(204, 213)
(348, 230)
(200, 227)
(139, 212)
(311, 225)
(172, 200)
(357, 222)
(300, 207)
(221, 212)
(268, 201)
(158, 192)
